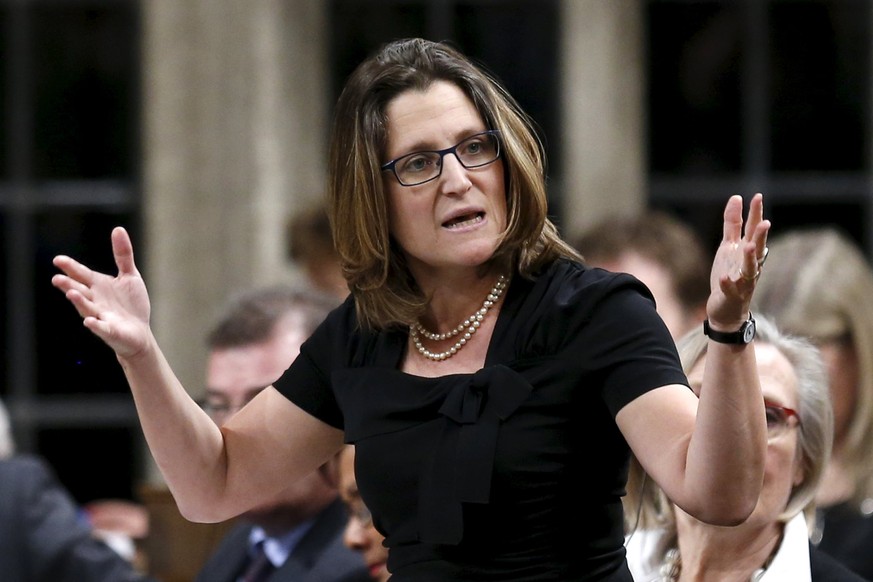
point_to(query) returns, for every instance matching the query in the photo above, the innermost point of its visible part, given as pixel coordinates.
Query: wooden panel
(175, 548)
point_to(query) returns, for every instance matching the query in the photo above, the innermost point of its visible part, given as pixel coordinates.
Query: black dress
(847, 536)
(824, 568)
(513, 473)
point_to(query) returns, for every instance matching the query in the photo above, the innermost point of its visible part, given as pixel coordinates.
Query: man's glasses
(220, 411)
(420, 167)
(779, 419)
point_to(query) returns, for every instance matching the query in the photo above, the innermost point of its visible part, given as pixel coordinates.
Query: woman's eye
(416, 164)
(473, 148)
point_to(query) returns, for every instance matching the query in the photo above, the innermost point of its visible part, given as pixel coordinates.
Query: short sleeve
(306, 383)
(599, 328)
(633, 347)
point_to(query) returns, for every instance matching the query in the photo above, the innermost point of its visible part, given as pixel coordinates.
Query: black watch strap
(744, 335)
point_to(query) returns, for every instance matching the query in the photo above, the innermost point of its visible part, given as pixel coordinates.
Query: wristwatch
(744, 335)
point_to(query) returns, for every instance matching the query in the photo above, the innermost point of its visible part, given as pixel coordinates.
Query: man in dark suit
(299, 536)
(42, 538)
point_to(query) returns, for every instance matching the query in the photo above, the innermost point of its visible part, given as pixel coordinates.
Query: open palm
(737, 262)
(116, 309)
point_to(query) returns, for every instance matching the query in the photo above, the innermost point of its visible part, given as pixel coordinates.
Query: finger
(84, 306)
(122, 250)
(733, 219)
(65, 284)
(750, 271)
(728, 284)
(74, 269)
(758, 238)
(100, 328)
(756, 215)
(762, 230)
(62, 282)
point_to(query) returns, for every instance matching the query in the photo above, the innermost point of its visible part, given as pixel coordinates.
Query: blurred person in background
(821, 287)
(662, 252)
(298, 535)
(43, 537)
(360, 535)
(118, 523)
(310, 245)
(773, 544)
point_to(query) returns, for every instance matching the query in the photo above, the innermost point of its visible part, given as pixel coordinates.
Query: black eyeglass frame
(392, 165)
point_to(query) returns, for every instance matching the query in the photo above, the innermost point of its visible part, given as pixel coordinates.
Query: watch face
(749, 331)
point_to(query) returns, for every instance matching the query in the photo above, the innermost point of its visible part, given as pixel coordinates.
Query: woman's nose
(454, 178)
(354, 536)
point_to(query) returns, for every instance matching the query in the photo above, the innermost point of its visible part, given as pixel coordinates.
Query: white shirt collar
(791, 561)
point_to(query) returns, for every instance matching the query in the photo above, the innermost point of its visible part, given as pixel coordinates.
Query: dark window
(69, 121)
(485, 30)
(83, 90)
(694, 72)
(764, 95)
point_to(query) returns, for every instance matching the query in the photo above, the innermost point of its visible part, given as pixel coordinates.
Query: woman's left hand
(738, 263)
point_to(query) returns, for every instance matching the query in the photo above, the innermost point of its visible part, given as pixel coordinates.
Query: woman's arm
(708, 454)
(213, 473)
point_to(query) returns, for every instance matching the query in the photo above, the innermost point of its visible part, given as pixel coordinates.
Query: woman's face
(783, 465)
(455, 220)
(360, 534)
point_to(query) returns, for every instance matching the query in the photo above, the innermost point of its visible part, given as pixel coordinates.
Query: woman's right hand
(116, 309)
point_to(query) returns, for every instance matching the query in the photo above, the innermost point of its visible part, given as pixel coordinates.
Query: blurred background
(201, 126)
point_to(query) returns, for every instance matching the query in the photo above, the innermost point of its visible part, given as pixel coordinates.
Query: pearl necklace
(468, 326)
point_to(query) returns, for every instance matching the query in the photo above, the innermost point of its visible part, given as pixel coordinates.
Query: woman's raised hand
(116, 308)
(738, 263)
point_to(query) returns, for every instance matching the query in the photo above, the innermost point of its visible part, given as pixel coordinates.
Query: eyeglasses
(417, 168)
(360, 513)
(779, 419)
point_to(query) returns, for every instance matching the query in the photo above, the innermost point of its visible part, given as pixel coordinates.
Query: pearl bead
(471, 324)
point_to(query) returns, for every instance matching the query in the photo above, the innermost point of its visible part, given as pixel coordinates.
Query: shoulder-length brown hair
(385, 292)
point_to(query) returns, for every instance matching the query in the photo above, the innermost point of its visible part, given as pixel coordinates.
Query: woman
(821, 289)
(773, 544)
(471, 438)
(360, 535)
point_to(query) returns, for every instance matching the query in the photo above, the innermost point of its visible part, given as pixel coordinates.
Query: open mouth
(464, 220)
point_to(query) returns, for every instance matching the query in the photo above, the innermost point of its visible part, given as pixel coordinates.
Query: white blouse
(791, 561)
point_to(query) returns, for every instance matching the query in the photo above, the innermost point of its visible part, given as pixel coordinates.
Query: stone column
(235, 123)
(603, 110)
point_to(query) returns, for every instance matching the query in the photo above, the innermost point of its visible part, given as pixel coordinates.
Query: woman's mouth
(464, 220)
(377, 570)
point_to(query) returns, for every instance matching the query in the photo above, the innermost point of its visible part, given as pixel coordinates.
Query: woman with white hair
(773, 543)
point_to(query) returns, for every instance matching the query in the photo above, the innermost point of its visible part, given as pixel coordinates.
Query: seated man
(299, 536)
(41, 535)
